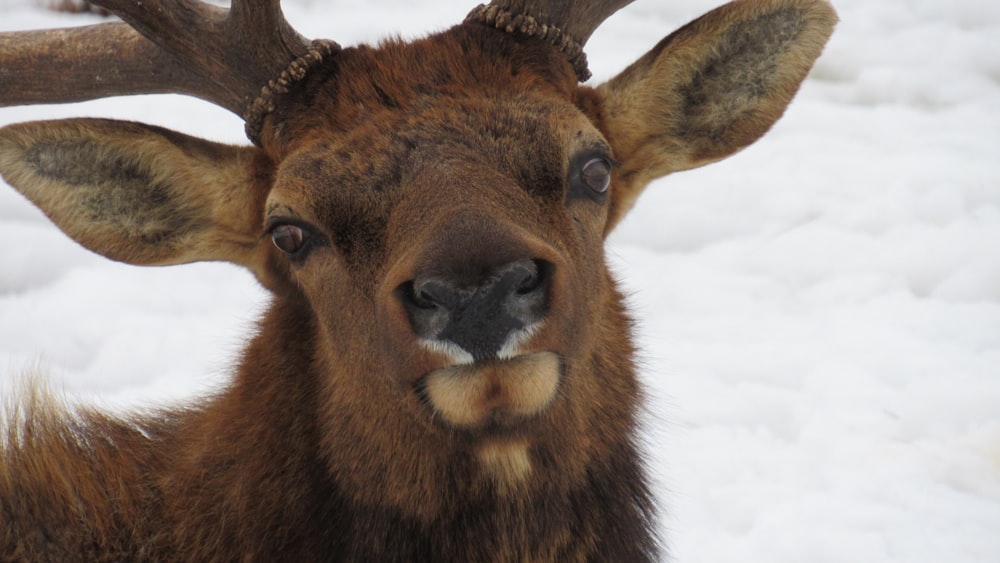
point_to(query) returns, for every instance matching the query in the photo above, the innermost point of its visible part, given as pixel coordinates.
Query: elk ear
(140, 194)
(709, 89)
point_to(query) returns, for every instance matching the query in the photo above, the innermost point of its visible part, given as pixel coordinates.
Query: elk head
(430, 216)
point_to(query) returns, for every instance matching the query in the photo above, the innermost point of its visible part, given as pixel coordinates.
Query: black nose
(482, 316)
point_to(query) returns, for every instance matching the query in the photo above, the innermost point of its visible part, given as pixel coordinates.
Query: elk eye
(596, 175)
(289, 238)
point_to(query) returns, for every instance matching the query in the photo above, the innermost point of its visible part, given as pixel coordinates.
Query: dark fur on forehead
(361, 82)
(355, 181)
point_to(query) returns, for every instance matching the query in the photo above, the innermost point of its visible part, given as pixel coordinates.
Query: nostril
(430, 293)
(429, 303)
(409, 295)
(479, 317)
(527, 301)
(536, 274)
(523, 276)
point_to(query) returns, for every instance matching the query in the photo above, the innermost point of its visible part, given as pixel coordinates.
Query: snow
(819, 315)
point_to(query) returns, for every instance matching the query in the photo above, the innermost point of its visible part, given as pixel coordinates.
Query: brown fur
(342, 436)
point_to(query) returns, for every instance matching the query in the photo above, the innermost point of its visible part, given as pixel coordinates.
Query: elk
(445, 370)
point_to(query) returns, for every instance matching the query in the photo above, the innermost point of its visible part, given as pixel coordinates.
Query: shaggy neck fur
(180, 484)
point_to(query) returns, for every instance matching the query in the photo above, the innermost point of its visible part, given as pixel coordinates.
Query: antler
(240, 59)
(567, 24)
(181, 46)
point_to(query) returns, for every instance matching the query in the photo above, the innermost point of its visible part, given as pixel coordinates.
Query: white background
(820, 314)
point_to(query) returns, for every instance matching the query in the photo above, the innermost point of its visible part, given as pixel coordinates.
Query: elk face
(453, 258)
(463, 256)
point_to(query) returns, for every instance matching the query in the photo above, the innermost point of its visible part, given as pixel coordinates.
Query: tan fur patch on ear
(106, 198)
(736, 84)
(137, 193)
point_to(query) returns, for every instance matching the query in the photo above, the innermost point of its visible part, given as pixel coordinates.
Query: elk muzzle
(482, 299)
(480, 327)
(484, 320)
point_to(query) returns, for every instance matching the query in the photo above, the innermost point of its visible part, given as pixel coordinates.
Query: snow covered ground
(820, 315)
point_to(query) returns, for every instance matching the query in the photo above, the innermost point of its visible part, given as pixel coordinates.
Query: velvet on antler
(567, 25)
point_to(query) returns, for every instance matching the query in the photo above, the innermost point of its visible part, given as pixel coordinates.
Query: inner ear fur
(709, 89)
(141, 194)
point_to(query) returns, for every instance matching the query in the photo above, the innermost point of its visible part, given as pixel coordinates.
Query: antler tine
(227, 57)
(234, 51)
(568, 24)
(85, 63)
